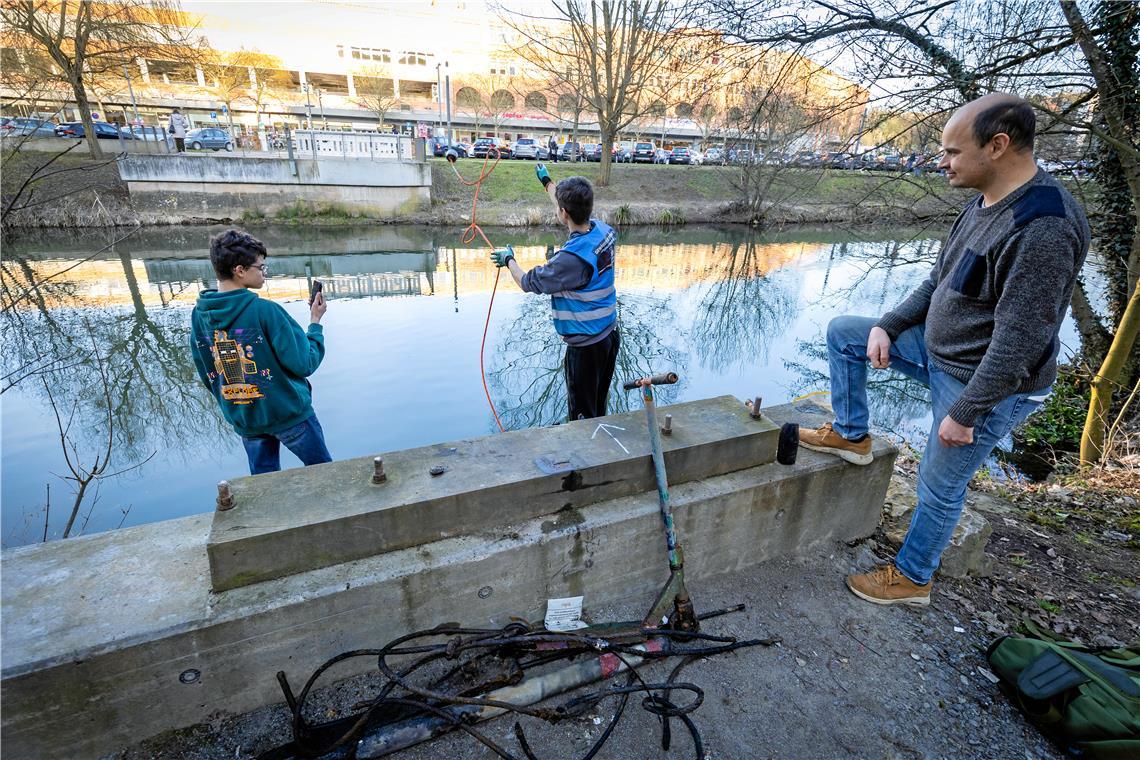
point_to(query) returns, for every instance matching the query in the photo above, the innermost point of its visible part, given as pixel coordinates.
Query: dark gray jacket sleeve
(564, 271)
(912, 311)
(1033, 274)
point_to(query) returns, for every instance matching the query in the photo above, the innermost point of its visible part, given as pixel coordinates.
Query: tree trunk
(574, 131)
(1100, 403)
(607, 158)
(85, 114)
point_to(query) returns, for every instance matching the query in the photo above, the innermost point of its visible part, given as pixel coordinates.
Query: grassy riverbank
(648, 194)
(82, 193)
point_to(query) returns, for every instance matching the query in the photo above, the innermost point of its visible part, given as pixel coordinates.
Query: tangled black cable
(515, 649)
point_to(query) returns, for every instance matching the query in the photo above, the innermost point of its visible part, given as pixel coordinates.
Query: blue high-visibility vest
(592, 309)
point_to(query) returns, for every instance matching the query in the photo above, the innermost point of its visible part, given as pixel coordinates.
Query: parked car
(681, 155)
(623, 152)
(741, 157)
(714, 156)
(889, 163)
(661, 156)
(208, 137)
(103, 131)
(439, 148)
(644, 152)
(592, 152)
(528, 147)
(840, 161)
(570, 151)
(492, 145)
(27, 127)
(806, 159)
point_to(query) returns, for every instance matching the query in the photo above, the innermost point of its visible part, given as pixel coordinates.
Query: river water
(96, 357)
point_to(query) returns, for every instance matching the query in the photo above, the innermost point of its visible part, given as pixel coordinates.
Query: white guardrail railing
(373, 145)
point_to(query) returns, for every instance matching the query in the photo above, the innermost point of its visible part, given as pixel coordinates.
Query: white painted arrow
(606, 428)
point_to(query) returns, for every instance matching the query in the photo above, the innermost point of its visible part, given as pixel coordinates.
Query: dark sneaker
(886, 585)
(828, 441)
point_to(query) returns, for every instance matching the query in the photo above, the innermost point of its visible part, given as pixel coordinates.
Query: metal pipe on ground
(407, 733)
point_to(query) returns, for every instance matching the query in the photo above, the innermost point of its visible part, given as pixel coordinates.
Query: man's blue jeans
(306, 440)
(945, 471)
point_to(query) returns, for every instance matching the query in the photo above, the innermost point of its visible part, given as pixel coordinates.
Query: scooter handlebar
(665, 378)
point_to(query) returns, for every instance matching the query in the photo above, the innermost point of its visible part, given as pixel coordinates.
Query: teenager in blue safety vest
(579, 279)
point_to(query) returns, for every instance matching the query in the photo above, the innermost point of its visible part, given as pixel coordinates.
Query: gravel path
(849, 680)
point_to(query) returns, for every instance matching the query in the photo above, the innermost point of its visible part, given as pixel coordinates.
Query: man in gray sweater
(981, 331)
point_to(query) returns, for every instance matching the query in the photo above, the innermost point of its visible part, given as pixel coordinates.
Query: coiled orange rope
(474, 230)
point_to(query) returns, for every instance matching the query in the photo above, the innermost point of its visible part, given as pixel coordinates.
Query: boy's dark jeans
(306, 440)
(589, 371)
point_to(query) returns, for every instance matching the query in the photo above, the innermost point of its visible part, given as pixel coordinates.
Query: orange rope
(474, 230)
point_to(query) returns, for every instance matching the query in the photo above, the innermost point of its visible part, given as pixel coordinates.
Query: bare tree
(85, 477)
(708, 116)
(487, 96)
(620, 47)
(1112, 59)
(375, 90)
(932, 55)
(228, 79)
(268, 78)
(88, 39)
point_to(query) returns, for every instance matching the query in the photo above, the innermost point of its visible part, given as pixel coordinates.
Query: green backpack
(1086, 698)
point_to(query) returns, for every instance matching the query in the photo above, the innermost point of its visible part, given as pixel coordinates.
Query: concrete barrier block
(301, 519)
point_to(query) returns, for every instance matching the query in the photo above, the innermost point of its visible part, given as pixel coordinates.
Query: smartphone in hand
(317, 287)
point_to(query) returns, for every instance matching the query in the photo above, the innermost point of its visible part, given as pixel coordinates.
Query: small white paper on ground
(564, 614)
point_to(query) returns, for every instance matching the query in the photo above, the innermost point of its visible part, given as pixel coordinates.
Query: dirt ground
(849, 679)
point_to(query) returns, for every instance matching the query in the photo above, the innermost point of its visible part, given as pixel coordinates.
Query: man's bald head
(988, 143)
(998, 113)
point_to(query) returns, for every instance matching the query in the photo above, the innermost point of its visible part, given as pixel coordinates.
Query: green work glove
(502, 255)
(543, 175)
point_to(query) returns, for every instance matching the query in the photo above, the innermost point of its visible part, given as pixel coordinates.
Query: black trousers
(589, 371)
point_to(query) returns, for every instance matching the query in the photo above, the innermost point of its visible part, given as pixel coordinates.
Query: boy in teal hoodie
(254, 357)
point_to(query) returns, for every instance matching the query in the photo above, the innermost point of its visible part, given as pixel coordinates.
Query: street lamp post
(321, 101)
(447, 84)
(308, 105)
(131, 89)
(438, 96)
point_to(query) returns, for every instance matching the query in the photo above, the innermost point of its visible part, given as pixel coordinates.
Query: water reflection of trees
(871, 285)
(527, 381)
(895, 400)
(748, 305)
(134, 361)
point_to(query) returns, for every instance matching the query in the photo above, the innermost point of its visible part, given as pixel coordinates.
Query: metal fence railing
(296, 144)
(371, 145)
(283, 143)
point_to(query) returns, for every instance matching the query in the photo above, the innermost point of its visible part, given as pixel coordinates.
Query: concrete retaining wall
(486, 483)
(115, 637)
(218, 187)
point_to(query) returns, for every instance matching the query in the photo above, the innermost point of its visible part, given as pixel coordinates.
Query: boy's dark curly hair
(234, 248)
